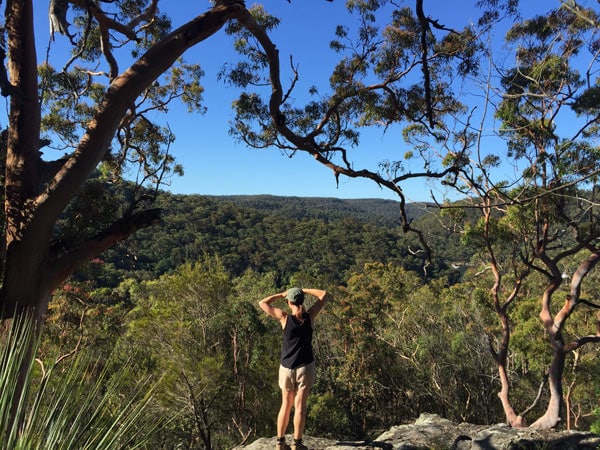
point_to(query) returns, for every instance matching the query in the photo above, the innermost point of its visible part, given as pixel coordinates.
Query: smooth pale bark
(554, 326)
(501, 354)
(551, 417)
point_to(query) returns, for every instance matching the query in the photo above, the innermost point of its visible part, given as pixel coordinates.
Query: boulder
(431, 432)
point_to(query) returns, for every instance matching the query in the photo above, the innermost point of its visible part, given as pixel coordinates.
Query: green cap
(295, 295)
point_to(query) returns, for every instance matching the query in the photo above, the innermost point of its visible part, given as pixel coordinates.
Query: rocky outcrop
(431, 432)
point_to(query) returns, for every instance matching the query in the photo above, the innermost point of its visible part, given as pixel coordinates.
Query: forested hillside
(283, 235)
(371, 210)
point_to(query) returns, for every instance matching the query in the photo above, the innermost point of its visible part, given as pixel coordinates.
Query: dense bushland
(393, 342)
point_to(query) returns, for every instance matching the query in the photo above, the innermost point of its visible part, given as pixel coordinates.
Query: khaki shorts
(299, 378)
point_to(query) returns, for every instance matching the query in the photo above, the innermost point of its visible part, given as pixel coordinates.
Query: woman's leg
(283, 418)
(300, 412)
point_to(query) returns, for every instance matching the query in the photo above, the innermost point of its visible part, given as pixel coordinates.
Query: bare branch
(537, 397)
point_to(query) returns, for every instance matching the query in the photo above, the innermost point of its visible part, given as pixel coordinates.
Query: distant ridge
(257, 232)
(372, 210)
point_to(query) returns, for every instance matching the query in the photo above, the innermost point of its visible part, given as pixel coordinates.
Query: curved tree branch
(307, 143)
(121, 93)
(65, 261)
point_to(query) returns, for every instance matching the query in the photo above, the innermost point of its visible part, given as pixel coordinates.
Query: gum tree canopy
(97, 111)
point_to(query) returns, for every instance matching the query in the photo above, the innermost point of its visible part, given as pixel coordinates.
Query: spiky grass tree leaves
(78, 404)
(14, 355)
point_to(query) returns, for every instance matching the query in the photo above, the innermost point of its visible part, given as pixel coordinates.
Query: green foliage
(15, 354)
(199, 332)
(271, 234)
(595, 427)
(327, 416)
(388, 332)
(389, 345)
(83, 406)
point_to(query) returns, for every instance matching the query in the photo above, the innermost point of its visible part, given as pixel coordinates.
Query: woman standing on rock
(297, 369)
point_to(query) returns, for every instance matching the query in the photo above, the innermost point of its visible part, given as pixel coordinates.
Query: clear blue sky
(216, 165)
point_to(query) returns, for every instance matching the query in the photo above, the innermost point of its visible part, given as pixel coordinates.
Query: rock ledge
(431, 432)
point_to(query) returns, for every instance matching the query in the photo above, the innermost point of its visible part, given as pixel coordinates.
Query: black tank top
(296, 350)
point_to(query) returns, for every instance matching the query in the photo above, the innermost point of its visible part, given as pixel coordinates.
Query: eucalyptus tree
(99, 116)
(544, 220)
(557, 201)
(398, 69)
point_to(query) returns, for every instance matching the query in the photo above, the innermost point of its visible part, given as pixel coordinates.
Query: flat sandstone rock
(431, 432)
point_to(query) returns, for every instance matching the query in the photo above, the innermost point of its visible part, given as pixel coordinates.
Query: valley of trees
(486, 301)
(392, 343)
(258, 237)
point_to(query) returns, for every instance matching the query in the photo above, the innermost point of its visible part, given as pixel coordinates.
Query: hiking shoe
(299, 446)
(282, 446)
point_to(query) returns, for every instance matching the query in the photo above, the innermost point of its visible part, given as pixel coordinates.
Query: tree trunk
(501, 355)
(554, 326)
(551, 417)
(512, 418)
